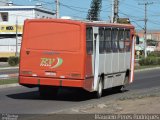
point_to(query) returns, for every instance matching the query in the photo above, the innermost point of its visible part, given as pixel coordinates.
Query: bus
(76, 54)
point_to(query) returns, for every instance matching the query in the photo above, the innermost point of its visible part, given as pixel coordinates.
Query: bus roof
(87, 23)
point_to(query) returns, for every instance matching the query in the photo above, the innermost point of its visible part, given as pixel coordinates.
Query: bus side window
(89, 37)
(101, 40)
(121, 40)
(107, 40)
(114, 40)
(127, 40)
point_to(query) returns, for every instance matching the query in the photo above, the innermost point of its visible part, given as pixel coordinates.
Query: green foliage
(154, 54)
(94, 11)
(8, 81)
(150, 60)
(13, 61)
(158, 61)
(124, 21)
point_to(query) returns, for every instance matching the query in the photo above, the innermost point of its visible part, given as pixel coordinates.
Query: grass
(4, 66)
(8, 81)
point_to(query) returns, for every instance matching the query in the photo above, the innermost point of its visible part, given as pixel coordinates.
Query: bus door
(96, 55)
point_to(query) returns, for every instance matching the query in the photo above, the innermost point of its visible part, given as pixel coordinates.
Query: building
(3, 2)
(152, 35)
(11, 22)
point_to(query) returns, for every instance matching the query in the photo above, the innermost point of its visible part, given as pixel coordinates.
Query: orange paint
(54, 51)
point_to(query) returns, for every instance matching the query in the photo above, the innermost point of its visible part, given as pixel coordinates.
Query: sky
(78, 9)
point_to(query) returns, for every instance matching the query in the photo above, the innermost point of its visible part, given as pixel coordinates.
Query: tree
(94, 11)
(124, 21)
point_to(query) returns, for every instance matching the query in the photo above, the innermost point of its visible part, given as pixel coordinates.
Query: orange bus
(68, 53)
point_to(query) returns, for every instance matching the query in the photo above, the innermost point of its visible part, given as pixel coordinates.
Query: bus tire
(47, 91)
(99, 89)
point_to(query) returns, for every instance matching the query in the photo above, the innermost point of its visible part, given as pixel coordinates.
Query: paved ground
(27, 100)
(8, 72)
(4, 64)
(143, 101)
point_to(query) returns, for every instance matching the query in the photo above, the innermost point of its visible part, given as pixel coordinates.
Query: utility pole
(115, 11)
(16, 36)
(145, 26)
(112, 16)
(57, 8)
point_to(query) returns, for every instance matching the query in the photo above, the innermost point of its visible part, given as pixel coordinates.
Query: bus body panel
(61, 63)
(42, 65)
(113, 66)
(52, 49)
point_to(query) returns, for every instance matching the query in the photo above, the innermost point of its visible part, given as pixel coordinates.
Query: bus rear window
(47, 35)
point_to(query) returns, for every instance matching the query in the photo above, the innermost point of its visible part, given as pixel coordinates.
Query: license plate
(50, 73)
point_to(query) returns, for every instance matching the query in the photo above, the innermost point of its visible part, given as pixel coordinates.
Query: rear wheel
(48, 91)
(99, 89)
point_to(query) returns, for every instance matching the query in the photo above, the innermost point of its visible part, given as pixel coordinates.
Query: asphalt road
(21, 100)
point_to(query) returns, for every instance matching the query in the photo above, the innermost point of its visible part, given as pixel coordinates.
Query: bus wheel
(47, 91)
(100, 89)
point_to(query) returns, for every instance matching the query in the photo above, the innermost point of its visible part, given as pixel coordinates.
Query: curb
(147, 69)
(6, 76)
(9, 85)
(6, 68)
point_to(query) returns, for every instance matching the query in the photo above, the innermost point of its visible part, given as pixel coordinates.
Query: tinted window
(89, 37)
(101, 40)
(107, 40)
(121, 40)
(115, 40)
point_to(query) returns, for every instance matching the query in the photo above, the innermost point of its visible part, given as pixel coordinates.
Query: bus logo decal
(51, 62)
(59, 63)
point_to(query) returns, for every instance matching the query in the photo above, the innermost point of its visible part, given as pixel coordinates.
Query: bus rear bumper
(37, 81)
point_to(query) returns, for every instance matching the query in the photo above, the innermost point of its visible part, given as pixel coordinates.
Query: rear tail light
(75, 75)
(29, 73)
